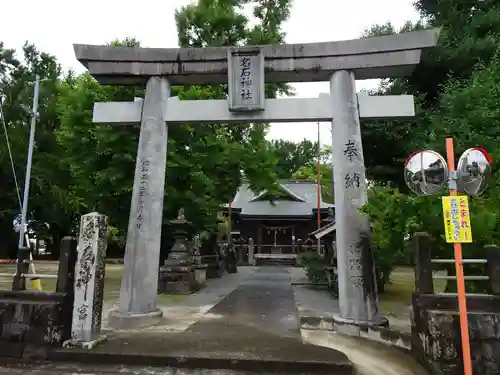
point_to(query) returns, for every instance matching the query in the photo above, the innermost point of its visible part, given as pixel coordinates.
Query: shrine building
(276, 222)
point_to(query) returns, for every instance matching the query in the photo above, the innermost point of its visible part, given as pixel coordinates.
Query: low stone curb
(382, 334)
(114, 261)
(197, 362)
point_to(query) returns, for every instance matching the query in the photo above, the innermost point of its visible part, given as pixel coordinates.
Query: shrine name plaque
(246, 80)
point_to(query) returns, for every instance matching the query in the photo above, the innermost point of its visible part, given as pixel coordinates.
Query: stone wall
(32, 320)
(436, 333)
(436, 338)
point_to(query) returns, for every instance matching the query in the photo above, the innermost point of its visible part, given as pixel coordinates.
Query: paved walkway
(368, 357)
(318, 302)
(255, 328)
(179, 314)
(244, 323)
(262, 305)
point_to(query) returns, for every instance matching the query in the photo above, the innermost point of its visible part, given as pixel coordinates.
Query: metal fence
(25, 270)
(425, 275)
(28, 275)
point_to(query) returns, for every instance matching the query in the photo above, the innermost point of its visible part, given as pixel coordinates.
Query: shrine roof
(300, 199)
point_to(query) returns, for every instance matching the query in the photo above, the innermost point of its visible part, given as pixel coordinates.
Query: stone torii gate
(245, 70)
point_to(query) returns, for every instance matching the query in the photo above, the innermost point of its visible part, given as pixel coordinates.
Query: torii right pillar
(358, 297)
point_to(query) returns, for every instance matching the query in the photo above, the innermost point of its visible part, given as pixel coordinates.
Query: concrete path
(368, 357)
(254, 328)
(180, 314)
(264, 303)
(318, 302)
(244, 323)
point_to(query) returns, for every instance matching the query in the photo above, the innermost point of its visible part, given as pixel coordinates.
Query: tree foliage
(290, 156)
(81, 167)
(457, 87)
(309, 171)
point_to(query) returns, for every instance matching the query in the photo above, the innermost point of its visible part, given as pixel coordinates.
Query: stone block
(31, 318)
(489, 368)
(178, 280)
(201, 275)
(89, 278)
(441, 324)
(488, 326)
(126, 321)
(215, 266)
(436, 333)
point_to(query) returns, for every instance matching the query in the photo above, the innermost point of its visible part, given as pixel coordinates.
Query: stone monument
(251, 259)
(356, 268)
(179, 273)
(245, 70)
(201, 268)
(231, 258)
(137, 306)
(89, 281)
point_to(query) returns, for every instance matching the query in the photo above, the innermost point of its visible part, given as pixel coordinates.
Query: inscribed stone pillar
(358, 298)
(250, 252)
(137, 306)
(89, 278)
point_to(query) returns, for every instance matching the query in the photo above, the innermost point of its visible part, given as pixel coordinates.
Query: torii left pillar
(139, 285)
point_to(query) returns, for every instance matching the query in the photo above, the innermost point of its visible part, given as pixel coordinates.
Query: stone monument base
(232, 268)
(128, 320)
(231, 261)
(71, 343)
(215, 266)
(178, 280)
(354, 327)
(200, 274)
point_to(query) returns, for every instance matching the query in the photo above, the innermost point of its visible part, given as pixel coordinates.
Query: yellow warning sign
(457, 219)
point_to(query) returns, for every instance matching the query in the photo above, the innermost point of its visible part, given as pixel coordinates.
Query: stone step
(275, 262)
(275, 259)
(86, 369)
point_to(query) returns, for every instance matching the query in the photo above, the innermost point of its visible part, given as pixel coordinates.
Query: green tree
(48, 199)
(467, 111)
(456, 86)
(309, 171)
(470, 34)
(205, 164)
(290, 156)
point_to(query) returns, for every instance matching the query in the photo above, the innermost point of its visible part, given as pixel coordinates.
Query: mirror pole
(457, 247)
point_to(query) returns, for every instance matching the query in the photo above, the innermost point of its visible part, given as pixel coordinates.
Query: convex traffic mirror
(426, 172)
(473, 171)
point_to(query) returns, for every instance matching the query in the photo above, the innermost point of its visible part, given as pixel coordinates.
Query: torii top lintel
(376, 57)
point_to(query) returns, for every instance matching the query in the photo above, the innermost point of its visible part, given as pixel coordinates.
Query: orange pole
(462, 303)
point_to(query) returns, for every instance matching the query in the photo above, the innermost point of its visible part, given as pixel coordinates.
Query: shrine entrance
(277, 239)
(245, 70)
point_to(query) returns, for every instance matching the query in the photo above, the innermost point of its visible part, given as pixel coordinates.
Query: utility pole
(34, 115)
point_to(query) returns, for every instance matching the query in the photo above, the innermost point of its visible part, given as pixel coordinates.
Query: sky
(54, 25)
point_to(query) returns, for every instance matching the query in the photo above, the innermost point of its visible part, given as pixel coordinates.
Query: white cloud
(54, 25)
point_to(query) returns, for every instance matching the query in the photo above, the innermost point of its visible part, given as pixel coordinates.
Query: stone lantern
(179, 273)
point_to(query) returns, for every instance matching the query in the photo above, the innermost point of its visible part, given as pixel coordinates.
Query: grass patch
(397, 297)
(165, 299)
(112, 282)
